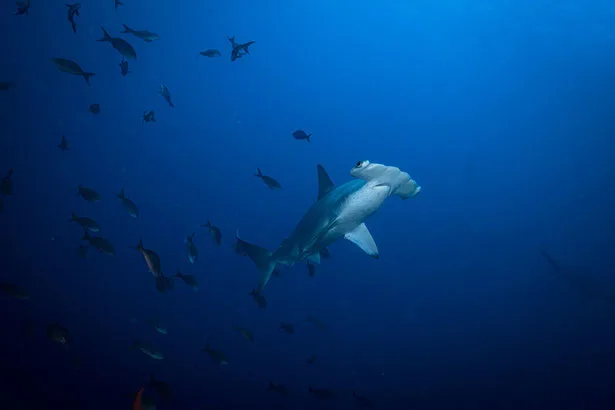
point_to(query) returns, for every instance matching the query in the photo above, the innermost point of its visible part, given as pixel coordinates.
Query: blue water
(502, 111)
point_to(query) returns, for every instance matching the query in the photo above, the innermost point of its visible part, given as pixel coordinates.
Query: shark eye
(359, 163)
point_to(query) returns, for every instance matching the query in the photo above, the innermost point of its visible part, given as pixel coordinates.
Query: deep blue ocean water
(502, 112)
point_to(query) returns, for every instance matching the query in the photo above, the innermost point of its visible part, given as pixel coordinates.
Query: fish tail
(73, 216)
(308, 138)
(264, 261)
(86, 236)
(120, 195)
(139, 246)
(137, 404)
(106, 36)
(178, 274)
(259, 174)
(126, 29)
(87, 76)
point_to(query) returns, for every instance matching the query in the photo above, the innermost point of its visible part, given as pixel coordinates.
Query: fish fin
(325, 185)
(86, 236)
(361, 237)
(263, 260)
(138, 247)
(259, 174)
(73, 216)
(314, 258)
(126, 29)
(87, 76)
(121, 195)
(308, 138)
(106, 36)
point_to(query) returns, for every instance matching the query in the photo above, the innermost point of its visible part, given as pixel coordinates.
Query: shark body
(339, 212)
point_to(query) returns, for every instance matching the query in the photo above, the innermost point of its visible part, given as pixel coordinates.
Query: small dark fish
(88, 194)
(214, 231)
(215, 355)
(312, 359)
(211, 53)
(162, 388)
(239, 50)
(278, 388)
(270, 182)
(311, 268)
(124, 67)
(324, 253)
(166, 94)
(193, 252)
(7, 85)
(245, 333)
(6, 186)
(58, 334)
(22, 8)
(63, 145)
(147, 349)
(151, 258)
(70, 67)
(73, 10)
(82, 251)
(86, 223)
(99, 243)
(162, 329)
(94, 108)
(259, 299)
(288, 328)
(121, 45)
(130, 206)
(189, 280)
(362, 401)
(144, 35)
(301, 135)
(325, 394)
(118, 3)
(15, 291)
(148, 116)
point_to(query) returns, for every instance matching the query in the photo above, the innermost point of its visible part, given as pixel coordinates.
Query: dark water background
(502, 111)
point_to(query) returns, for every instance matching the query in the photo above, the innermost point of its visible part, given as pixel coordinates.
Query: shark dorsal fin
(325, 185)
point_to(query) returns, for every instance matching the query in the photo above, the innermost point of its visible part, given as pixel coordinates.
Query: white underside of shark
(339, 212)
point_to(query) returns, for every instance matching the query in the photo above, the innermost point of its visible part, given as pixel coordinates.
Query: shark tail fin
(262, 258)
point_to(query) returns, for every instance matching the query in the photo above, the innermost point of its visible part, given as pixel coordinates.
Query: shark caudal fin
(261, 257)
(399, 182)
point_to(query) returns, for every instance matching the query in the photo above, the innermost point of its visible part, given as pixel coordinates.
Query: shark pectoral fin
(314, 258)
(361, 237)
(325, 185)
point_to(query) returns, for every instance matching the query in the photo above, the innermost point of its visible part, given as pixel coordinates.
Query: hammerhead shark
(339, 212)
